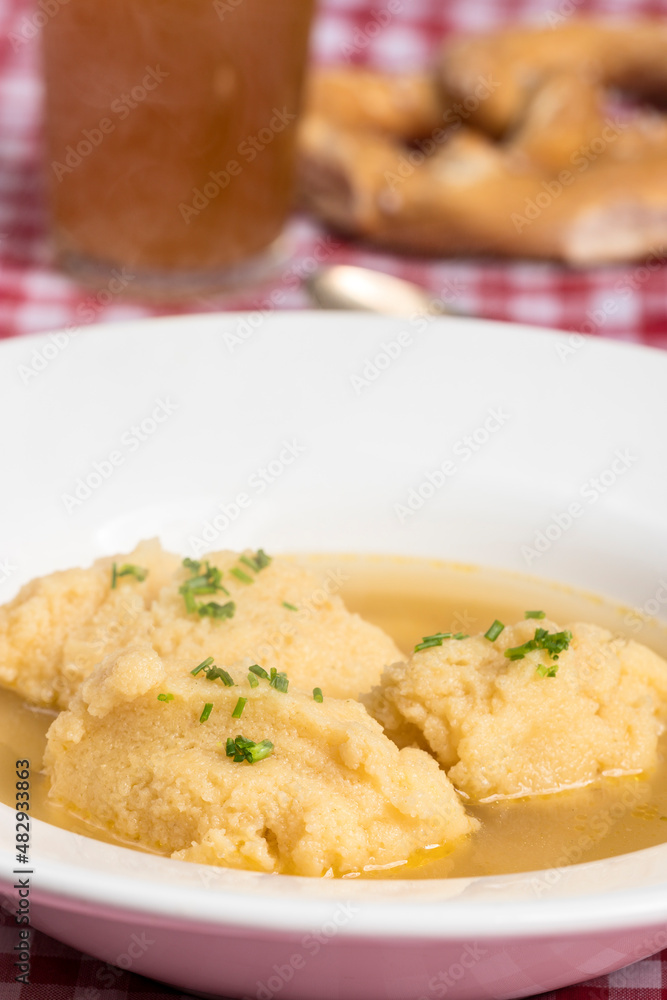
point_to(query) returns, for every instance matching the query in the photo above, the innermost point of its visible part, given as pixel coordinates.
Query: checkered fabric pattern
(61, 973)
(35, 297)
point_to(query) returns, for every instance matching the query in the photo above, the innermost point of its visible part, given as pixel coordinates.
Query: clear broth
(411, 598)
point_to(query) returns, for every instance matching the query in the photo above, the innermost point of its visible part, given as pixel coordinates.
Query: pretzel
(570, 179)
(629, 56)
(406, 105)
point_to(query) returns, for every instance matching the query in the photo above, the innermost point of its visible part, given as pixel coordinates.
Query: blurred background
(389, 35)
(625, 301)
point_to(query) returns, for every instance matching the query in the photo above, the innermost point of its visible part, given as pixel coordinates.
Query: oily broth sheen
(411, 598)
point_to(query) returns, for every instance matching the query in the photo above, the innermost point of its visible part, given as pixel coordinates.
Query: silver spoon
(342, 286)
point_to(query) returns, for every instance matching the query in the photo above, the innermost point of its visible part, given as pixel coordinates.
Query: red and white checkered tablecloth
(34, 297)
(60, 973)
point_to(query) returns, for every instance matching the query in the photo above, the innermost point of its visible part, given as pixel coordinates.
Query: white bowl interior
(496, 435)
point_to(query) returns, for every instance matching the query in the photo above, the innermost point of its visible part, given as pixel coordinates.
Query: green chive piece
(213, 574)
(138, 572)
(317, 695)
(208, 708)
(554, 643)
(534, 614)
(218, 674)
(547, 671)
(190, 605)
(241, 749)
(127, 569)
(252, 681)
(165, 697)
(201, 585)
(290, 607)
(217, 611)
(258, 562)
(213, 673)
(494, 631)
(240, 575)
(259, 751)
(429, 641)
(259, 671)
(206, 580)
(238, 710)
(279, 682)
(461, 635)
(202, 666)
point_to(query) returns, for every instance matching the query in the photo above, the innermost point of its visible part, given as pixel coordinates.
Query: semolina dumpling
(209, 714)
(284, 617)
(155, 754)
(535, 724)
(60, 626)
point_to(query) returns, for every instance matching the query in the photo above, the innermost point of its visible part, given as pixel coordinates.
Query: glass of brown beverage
(170, 132)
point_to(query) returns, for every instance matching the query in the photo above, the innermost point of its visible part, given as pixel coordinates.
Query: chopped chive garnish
(429, 641)
(461, 635)
(259, 561)
(213, 673)
(218, 674)
(252, 681)
(547, 671)
(165, 697)
(259, 671)
(494, 631)
(138, 572)
(317, 694)
(240, 575)
(534, 614)
(190, 605)
(553, 643)
(213, 574)
(238, 710)
(258, 751)
(202, 666)
(518, 652)
(217, 611)
(241, 749)
(290, 607)
(208, 708)
(127, 569)
(279, 681)
(201, 585)
(206, 580)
